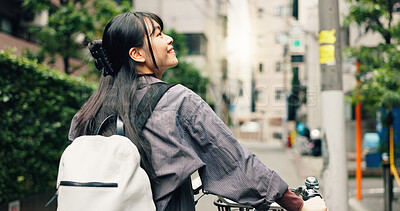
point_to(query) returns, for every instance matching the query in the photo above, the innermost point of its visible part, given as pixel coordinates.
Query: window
(5, 25)
(259, 95)
(196, 44)
(260, 12)
(295, 11)
(278, 94)
(277, 135)
(296, 58)
(282, 11)
(240, 85)
(224, 69)
(260, 67)
(281, 37)
(278, 67)
(396, 7)
(225, 25)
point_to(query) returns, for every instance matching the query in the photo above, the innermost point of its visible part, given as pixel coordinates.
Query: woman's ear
(137, 54)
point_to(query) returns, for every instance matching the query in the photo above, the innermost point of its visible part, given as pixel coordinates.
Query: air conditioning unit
(37, 19)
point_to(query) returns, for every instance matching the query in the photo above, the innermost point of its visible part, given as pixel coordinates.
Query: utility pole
(332, 107)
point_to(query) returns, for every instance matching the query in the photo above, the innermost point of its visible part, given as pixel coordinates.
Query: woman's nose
(169, 39)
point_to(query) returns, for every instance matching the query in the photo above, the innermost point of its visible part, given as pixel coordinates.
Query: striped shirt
(187, 136)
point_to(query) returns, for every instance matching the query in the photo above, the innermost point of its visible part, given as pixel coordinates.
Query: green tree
(379, 87)
(71, 26)
(379, 71)
(185, 73)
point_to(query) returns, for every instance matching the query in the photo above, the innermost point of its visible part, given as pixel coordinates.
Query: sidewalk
(372, 184)
(372, 189)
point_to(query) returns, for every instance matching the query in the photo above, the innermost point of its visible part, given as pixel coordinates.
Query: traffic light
(296, 44)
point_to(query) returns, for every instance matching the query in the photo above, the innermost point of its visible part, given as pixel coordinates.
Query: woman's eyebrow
(155, 29)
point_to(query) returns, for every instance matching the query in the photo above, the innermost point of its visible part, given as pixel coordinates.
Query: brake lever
(309, 193)
(298, 191)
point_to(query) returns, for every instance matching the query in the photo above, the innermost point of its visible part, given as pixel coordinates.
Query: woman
(183, 134)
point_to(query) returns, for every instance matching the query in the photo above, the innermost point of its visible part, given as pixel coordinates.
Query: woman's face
(163, 50)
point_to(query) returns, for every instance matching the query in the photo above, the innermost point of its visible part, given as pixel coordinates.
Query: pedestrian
(183, 134)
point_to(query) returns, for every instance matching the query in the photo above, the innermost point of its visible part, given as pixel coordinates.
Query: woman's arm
(231, 170)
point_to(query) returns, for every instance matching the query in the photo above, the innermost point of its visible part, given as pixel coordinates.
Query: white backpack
(98, 173)
(103, 173)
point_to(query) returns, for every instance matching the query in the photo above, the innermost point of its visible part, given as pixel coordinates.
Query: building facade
(271, 71)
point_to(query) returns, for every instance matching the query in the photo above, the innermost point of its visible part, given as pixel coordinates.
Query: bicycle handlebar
(306, 192)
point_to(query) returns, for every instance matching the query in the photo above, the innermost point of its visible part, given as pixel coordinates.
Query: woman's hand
(314, 204)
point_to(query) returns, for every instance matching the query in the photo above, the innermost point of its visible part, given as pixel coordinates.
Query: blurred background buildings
(257, 54)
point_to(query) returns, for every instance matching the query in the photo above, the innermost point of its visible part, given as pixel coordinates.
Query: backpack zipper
(90, 184)
(83, 184)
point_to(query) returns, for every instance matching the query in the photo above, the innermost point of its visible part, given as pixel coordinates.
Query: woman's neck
(148, 74)
(146, 70)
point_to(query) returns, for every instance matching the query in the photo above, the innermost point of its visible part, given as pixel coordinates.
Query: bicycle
(306, 192)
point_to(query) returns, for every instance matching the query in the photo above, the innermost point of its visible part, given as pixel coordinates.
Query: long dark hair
(118, 84)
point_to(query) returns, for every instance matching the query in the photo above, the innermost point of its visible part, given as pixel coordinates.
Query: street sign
(14, 206)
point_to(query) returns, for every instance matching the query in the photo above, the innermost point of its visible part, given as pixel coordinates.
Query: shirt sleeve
(290, 201)
(231, 170)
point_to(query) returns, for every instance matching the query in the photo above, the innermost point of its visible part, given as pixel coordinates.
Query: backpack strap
(143, 111)
(149, 102)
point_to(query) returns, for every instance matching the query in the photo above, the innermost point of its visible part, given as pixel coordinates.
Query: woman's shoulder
(185, 102)
(184, 94)
(182, 89)
(180, 99)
